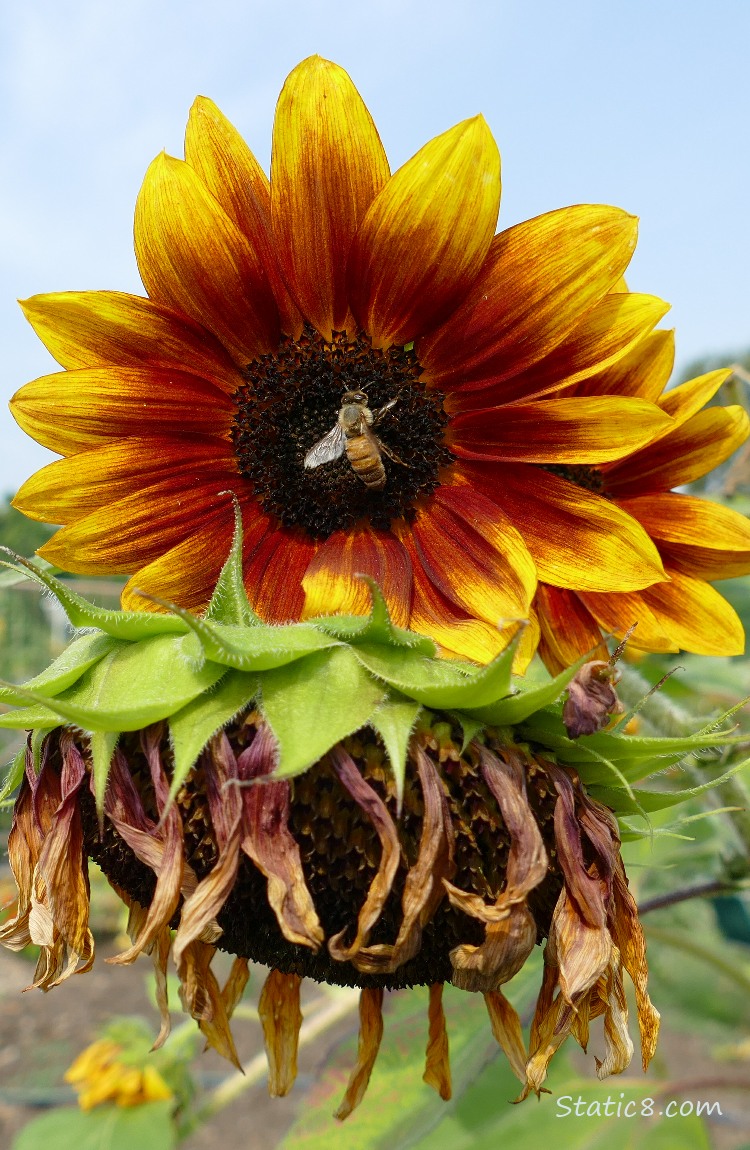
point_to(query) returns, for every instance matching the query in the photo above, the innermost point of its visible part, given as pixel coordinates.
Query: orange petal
(187, 572)
(274, 573)
(702, 538)
(86, 329)
(424, 239)
(73, 410)
(693, 449)
(603, 338)
(488, 571)
(230, 171)
(568, 630)
(191, 256)
(577, 539)
(456, 631)
(330, 584)
(327, 166)
(68, 489)
(644, 371)
(696, 617)
(540, 278)
(556, 430)
(616, 612)
(684, 401)
(137, 529)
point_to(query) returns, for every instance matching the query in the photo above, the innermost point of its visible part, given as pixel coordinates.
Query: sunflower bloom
(98, 1075)
(462, 357)
(698, 540)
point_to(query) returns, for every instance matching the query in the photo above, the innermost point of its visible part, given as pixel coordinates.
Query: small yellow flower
(98, 1075)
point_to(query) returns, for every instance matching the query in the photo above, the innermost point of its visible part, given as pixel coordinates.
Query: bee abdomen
(365, 460)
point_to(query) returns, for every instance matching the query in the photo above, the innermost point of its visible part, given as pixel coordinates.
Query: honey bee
(352, 433)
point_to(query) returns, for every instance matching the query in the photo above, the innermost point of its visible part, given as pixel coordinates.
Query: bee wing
(330, 447)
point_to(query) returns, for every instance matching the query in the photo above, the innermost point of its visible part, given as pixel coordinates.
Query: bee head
(354, 397)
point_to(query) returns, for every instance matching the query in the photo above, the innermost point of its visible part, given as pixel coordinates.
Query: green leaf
(514, 709)
(103, 745)
(257, 648)
(81, 654)
(195, 724)
(81, 613)
(15, 773)
(149, 1127)
(313, 702)
(373, 628)
(394, 721)
(229, 602)
(29, 718)
(660, 800)
(133, 686)
(13, 575)
(440, 683)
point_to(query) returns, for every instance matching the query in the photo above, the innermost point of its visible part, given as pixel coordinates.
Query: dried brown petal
(380, 887)
(202, 999)
(198, 915)
(511, 931)
(160, 847)
(592, 698)
(269, 843)
(618, 1045)
(370, 1036)
(160, 957)
(234, 987)
(506, 1029)
(504, 951)
(281, 1018)
(627, 933)
(584, 889)
(423, 889)
(24, 845)
(583, 951)
(437, 1072)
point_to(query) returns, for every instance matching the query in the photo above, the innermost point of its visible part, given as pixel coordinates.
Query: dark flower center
(373, 471)
(590, 478)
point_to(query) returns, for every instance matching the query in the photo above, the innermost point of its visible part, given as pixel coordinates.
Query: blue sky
(644, 104)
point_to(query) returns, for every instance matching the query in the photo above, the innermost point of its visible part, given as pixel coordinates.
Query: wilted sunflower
(348, 807)
(338, 292)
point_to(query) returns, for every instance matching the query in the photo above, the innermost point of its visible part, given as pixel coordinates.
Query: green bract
(315, 683)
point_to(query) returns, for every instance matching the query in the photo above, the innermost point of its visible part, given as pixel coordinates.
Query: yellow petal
(685, 454)
(577, 539)
(192, 257)
(577, 430)
(539, 280)
(92, 328)
(644, 371)
(425, 237)
(712, 540)
(230, 171)
(696, 617)
(684, 401)
(327, 166)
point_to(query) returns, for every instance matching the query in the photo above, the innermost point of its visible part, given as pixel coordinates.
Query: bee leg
(382, 410)
(392, 454)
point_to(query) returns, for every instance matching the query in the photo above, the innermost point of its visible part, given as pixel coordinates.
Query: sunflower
(431, 825)
(698, 540)
(277, 311)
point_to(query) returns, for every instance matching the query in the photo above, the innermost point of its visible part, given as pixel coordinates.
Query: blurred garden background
(690, 874)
